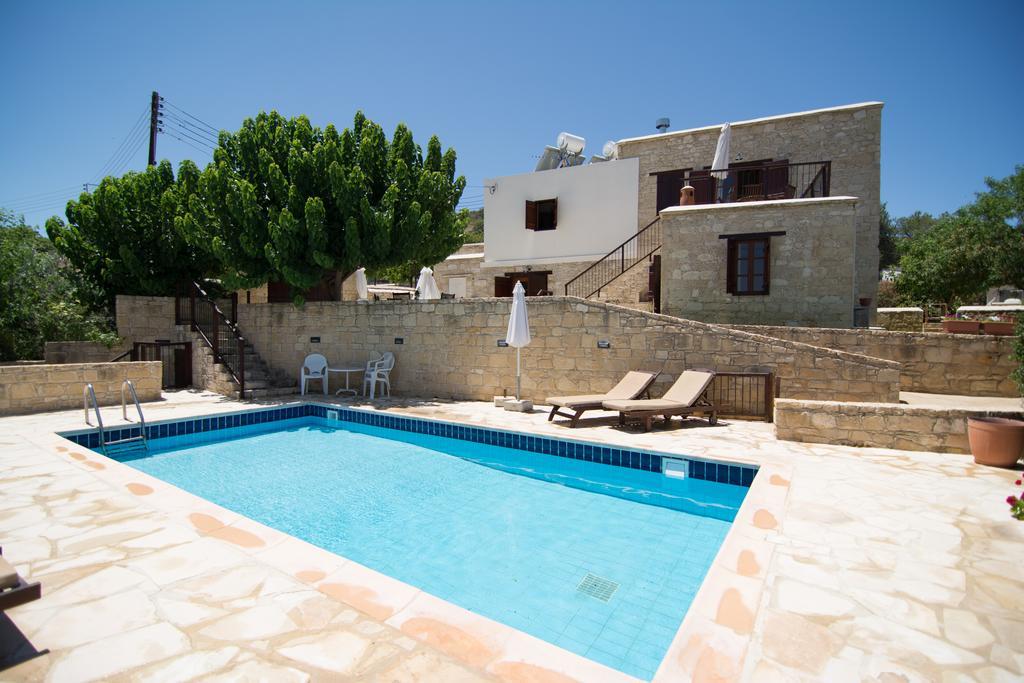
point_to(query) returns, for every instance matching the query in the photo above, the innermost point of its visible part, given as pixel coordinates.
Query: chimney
(662, 124)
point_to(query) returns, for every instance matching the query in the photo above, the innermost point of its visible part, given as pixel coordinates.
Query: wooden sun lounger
(15, 590)
(633, 385)
(685, 397)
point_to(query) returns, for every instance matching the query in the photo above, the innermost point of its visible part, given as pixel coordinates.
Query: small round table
(347, 389)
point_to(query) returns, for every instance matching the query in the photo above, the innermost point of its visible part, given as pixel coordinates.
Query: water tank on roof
(570, 144)
(610, 150)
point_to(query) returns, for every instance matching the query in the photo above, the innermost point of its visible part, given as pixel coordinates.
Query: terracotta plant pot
(961, 326)
(996, 441)
(1002, 329)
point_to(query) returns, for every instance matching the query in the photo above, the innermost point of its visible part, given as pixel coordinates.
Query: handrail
(620, 250)
(135, 398)
(199, 296)
(88, 393)
(118, 357)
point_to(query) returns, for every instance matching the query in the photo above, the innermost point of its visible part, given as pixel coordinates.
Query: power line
(182, 140)
(194, 118)
(192, 128)
(183, 131)
(130, 152)
(132, 132)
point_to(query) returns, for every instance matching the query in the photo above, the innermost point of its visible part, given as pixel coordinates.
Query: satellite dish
(610, 150)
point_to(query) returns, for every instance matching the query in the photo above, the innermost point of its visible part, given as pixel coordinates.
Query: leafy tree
(475, 226)
(40, 295)
(286, 201)
(888, 255)
(916, 224)
(122, 236)
(965, 253)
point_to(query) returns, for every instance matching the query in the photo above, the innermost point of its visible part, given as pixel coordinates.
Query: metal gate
(175, 356)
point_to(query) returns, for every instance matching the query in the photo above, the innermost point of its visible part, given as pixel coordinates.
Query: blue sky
(498, 81)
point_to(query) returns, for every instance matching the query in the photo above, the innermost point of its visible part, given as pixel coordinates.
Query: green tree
(286, 201)
(888, 254)
(122, 236)
(964, 253)
(916, 224)
(40, 295)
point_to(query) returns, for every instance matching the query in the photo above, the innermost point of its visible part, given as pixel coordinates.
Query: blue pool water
(505, 533)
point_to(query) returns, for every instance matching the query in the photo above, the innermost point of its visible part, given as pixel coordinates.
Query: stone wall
(904, 319)
(849, 137)
(82, 352)
(931, 362)
(878, 425)
(42, 388)
(469, 263)
(450, 348)
(811, 274)
(148, 318)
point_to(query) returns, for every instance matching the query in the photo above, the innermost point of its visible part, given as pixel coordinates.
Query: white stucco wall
(597, 209)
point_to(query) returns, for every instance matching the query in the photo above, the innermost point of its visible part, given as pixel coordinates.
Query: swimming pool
(600, 559)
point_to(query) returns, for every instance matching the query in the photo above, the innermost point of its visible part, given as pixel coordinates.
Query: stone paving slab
(844, 564)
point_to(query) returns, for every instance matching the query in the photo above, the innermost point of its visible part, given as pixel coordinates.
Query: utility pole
(154, 121)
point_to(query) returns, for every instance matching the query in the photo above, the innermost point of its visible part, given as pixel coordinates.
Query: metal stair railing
(602, 272)
(209, 321)
(138, 407)
(89, 398)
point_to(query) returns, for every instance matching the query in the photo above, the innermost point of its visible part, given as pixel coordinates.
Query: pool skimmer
(597, 587)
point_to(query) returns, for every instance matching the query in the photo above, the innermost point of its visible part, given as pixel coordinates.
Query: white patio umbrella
(518, 334)
(362, 291)
(722, 151)
(426, 286)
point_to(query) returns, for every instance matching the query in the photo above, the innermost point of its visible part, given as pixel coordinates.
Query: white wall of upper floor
(597, 210)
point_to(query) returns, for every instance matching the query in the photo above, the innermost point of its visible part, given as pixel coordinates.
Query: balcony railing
(760, 182)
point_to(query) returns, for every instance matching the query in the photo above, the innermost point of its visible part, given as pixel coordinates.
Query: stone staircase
(261, 381)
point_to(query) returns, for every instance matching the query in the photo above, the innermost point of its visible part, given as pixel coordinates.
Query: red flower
(1011, 500)
(1017, 482)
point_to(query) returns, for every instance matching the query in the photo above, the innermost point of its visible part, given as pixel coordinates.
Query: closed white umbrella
(426, 286)
(722, 151)
(362, 291)
(518, 334)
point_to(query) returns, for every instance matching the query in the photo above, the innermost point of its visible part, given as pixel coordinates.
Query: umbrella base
(522, 406)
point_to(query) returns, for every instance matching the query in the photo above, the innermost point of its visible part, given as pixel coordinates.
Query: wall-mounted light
(314, 340)
(502, 343)
(399, 341)
(604, 344)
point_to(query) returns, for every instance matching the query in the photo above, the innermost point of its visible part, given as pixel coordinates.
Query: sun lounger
(633, 385)
(15, 590)
(685, 397)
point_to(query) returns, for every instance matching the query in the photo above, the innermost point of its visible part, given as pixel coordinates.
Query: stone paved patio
(844, 564)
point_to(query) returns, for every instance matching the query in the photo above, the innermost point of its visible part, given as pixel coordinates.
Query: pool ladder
(120, 446)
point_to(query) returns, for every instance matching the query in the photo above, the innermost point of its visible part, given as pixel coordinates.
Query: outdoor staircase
(261, 381)
(232, 365)
(596, 281)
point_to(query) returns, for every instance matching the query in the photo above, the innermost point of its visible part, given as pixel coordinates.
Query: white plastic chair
(379, 372)
(314, 367)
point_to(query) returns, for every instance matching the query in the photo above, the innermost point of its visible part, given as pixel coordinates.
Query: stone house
(787, 234)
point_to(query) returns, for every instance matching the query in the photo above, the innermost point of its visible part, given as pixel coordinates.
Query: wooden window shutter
(531, 215)
(767, 264)
(730, 268)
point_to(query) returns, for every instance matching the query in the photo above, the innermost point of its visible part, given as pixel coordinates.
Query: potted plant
(999, 441)
(958, 323)
(999, 324)
(1017, 502)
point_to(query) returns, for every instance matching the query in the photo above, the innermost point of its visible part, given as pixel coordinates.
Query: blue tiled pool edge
(698, 468)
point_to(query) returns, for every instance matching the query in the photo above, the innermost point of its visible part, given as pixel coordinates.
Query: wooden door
(654, 282)
(536, 283)
(704, 187)
(183, 366)
(669, 185)
(503, 286)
